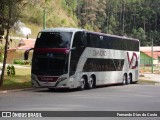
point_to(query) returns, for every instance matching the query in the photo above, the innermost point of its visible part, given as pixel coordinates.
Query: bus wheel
(129, 80)
(90, 83)
(124, 79)
(51, 89)
(83, 83)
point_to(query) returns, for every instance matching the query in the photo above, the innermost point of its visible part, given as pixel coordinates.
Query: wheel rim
(124, 80)
(82, 83)
(90, 82)
(129, 79)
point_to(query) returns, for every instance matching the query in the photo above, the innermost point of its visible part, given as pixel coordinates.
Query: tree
(87, 12)
(10, 11)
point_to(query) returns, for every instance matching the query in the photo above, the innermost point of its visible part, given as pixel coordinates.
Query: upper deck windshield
(53, 40)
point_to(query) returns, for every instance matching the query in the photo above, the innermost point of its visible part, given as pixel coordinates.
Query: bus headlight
(61, 79)
(33, 77)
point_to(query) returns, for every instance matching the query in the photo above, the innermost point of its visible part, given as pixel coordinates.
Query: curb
(15, 90)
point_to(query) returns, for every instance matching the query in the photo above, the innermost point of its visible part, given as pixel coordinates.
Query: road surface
(134, 97)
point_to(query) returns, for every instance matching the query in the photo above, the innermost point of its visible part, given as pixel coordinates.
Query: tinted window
(109, 42)
(79, 42)
(79, 39)
(97, 64)
(49, 63)
(53, 40)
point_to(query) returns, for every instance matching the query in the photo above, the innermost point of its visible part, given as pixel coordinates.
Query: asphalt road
(113, 98)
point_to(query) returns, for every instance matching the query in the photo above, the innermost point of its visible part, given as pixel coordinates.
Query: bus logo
(133, 61)
(50, 55)
(6, 114)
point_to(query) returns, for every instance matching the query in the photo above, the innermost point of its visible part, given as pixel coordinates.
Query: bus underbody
(83, 81)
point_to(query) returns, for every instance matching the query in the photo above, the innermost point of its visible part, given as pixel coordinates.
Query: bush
(63, 21)
(10, 70)
(21, 62)
(1, 53)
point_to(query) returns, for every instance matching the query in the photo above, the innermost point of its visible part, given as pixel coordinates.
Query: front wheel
(51, 89)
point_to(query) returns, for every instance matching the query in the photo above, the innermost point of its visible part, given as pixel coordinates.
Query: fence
(146, 65)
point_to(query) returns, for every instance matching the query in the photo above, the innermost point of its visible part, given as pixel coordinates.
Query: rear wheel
(125, 79)
(129, 80)
(83, 83)
(90, 83)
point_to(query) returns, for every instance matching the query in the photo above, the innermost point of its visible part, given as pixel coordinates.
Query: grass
(21, 80)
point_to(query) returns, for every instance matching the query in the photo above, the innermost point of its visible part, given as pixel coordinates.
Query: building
(146, 55)
(17, 52)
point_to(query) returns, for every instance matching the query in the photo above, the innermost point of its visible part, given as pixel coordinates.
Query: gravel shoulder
(150, 77)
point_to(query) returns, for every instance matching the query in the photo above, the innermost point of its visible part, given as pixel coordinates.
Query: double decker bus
(77, 58)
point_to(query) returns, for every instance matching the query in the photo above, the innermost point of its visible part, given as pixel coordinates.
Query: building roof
(155, 54)
(26, 44)
(148, 51)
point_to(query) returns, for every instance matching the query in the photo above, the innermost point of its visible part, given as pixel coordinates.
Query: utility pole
(152, 55)
(44, 19)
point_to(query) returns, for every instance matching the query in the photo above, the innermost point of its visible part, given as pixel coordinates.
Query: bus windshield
(49, 64)
(53, 40)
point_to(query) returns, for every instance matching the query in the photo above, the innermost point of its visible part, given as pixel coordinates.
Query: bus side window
(94, 40)
(78, 40)
(84, 38)
(88, 40)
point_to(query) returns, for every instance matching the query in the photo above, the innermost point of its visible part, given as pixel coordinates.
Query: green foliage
(72, 4)
(139, 34)
(11, 70)
(58, 13)
(88, 27)
(21, 62)
(21, 80)
(1, 53)
(36, 18)
(8, 70)
(63, 21)
(135, 18)
(10, 10)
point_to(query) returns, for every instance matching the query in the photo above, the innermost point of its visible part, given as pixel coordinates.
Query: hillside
(57, 15)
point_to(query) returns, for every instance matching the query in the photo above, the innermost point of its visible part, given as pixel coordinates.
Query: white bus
(77, 58)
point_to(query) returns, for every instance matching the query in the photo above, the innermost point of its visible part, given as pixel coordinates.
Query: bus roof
(122, 37)
(62, 29)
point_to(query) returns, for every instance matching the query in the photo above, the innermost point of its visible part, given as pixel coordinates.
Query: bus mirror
(26, 53)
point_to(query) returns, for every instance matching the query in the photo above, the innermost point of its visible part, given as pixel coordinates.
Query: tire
(51, 89)
(90, 83)
(129, 80)
(135, 82)
(83, 83)
(125, 82)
